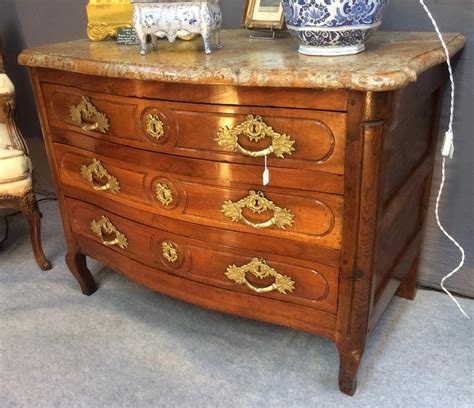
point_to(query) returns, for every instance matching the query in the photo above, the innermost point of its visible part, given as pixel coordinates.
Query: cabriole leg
(142, 39)
(218, 39)
(206, 35)
(29, 208)
(154, 41)
(78, 267)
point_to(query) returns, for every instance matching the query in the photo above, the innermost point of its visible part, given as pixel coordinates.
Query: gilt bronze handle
(104, 227)
(85, 110)
(96, 172)
(260, 269)
(255, 129)
(257, 203)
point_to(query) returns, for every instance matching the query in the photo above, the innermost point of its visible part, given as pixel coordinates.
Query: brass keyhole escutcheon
(254, 130)
(164, 194)
(257, 204)
(169, 252)
(154, 126)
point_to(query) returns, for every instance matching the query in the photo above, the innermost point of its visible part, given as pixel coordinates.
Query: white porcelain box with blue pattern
(173, 19)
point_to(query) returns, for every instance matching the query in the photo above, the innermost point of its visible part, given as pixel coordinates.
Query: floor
(126, 346)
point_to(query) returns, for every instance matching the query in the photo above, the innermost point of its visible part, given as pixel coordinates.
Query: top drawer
(292, 138)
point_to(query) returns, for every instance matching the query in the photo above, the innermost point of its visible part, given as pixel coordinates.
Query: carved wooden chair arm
(7, 108)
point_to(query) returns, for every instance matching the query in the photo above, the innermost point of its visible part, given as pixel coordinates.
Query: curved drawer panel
(291, 138)
(269, 275)
(67, 110)
(168, 189)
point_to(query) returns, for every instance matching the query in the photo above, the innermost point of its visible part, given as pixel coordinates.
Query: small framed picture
(263, 14)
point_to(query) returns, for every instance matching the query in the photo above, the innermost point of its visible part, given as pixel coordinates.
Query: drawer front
(251, 272)
(290, 138)
(190, 190)
(95, 114)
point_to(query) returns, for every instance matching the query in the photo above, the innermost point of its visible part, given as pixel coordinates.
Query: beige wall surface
(28, 23)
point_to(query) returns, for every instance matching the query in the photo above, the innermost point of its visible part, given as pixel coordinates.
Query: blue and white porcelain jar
(333, 27)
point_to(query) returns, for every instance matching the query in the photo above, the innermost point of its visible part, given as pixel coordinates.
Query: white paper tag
(266, 173)
(266, 177)
(448, 145)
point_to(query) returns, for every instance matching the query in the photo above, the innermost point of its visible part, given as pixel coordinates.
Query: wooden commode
(158, 164)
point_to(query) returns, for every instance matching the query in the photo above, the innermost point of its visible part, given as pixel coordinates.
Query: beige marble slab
(392, 60)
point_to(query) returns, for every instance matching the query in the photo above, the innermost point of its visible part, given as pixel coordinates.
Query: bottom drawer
(251, 272)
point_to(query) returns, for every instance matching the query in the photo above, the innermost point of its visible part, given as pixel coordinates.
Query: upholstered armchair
(16, 181)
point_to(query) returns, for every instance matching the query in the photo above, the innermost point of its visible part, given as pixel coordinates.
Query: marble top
(392, 60)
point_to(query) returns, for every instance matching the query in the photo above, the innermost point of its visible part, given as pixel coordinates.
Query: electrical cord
(447, 151)
(7, 217)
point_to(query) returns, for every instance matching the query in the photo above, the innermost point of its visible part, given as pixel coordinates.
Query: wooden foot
(348, 368)
(76, 263)
(29, 209)
(407, 289)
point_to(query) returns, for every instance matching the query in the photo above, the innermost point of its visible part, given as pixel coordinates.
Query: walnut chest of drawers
(158, 164)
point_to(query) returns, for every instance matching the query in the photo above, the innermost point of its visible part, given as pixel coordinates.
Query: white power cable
(447, 151)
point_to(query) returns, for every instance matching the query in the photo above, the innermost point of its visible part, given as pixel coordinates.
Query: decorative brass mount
(255, 129)
(169, 252)
(87, 110)
(96, 172)
(154, 126)
(104, 226)
(164, 194)
(260, 269)
(257, 203)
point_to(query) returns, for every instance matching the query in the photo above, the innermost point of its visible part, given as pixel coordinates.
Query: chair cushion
(14, 166)
(6, 86)
(4, 139)
(16, 188)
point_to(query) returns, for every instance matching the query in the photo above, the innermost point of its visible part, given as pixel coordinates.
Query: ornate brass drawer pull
(89, 112)
(154, 126)
(260, 269)
(95, 172)
(258, 203)
(164, 194)
(169, 252)
(255, 129)
(104, 226)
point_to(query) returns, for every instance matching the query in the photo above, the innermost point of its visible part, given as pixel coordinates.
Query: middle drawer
(203, 192)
